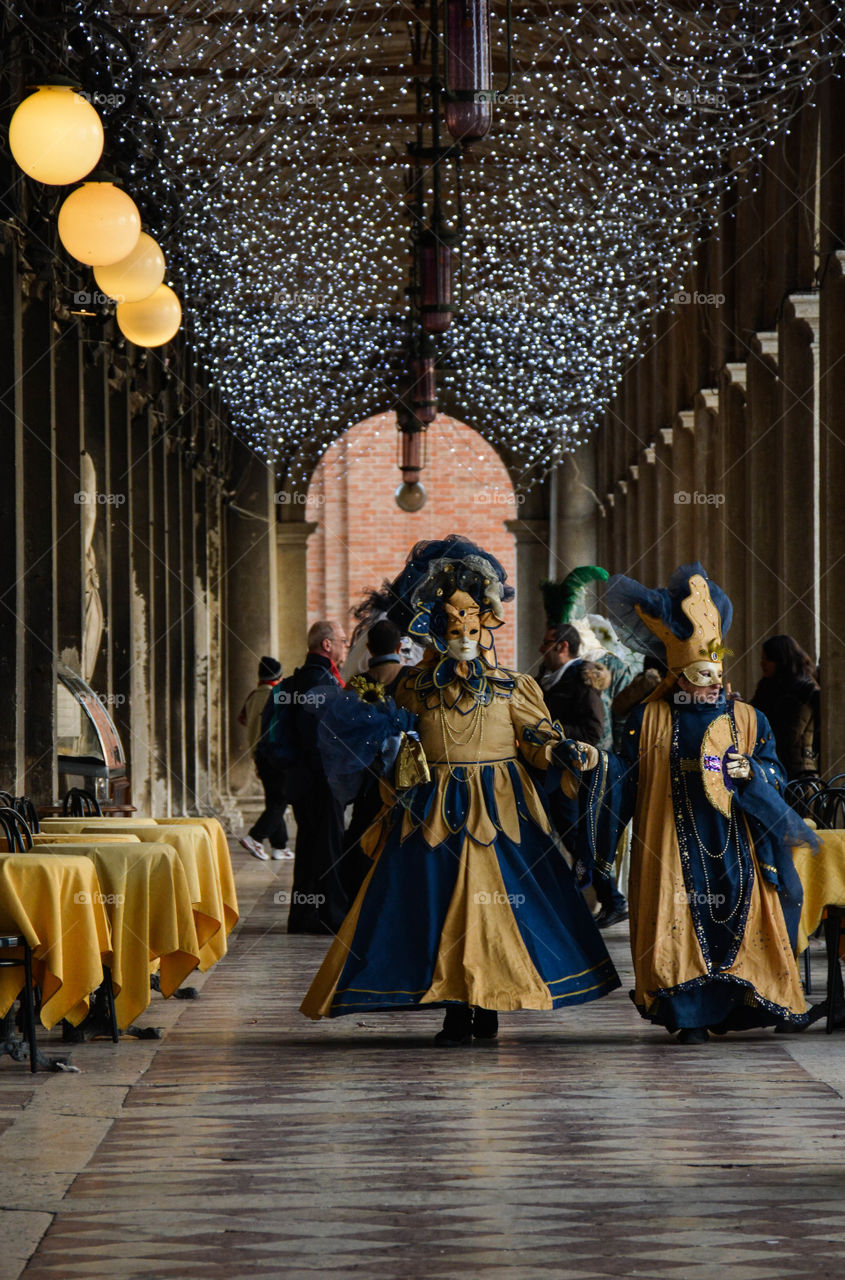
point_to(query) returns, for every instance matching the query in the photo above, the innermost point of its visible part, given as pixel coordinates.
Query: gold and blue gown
(714, 897)
(469, 899)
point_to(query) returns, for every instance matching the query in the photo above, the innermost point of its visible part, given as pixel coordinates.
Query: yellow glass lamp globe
(99, 224)
(153, 321)
(136, 276)
(56, 136)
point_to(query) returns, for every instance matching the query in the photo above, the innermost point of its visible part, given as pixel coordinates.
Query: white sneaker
(278, 854)
(257, 850)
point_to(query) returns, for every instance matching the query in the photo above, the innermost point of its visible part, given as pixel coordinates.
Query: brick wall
(364, 538)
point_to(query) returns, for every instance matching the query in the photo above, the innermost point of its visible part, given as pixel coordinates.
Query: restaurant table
(144, 890)
(822, 875)
(53, 900)
(224, 862)
(215, 905)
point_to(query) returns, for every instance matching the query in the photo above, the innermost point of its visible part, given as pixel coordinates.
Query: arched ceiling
(282, 190)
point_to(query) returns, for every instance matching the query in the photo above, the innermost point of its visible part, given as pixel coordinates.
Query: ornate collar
(475, 678)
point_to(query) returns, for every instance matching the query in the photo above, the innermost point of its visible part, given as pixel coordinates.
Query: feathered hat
(565, 601)
(683, 624)
(434, 572)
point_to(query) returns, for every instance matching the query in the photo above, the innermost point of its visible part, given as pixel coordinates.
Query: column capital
(622, 486)
(805, 310)
(667, 436)
(295, 533)
(838, 257)
(737, 375)
(529, 530)
(649, 455)
(611, 499)
(686, 420)
(708, 398)
(765, 345)
(634, 471)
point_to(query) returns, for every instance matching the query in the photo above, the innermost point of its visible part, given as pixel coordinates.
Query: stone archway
(362, 537)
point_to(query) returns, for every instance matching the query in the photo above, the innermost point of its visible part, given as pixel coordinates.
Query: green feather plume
(565, 600)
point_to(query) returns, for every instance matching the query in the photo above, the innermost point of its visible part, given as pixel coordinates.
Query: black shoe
(612, 915)
(457, 1027)
(485, 1023)
(692, 1035)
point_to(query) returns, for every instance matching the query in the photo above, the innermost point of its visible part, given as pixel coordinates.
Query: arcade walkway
(249, 1143)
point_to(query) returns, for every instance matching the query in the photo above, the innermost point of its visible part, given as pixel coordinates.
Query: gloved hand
(738, 767)
(576, 755)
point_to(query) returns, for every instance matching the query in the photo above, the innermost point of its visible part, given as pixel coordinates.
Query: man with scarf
(319, 901)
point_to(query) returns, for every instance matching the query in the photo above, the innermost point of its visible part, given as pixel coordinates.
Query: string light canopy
(283, 151)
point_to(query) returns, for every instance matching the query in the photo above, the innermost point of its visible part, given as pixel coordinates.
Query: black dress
(791, 707)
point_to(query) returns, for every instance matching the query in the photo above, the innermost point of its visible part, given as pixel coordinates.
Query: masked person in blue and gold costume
(714, 896)
(469, 904)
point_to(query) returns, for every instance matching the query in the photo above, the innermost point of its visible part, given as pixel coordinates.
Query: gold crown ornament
(698, 656)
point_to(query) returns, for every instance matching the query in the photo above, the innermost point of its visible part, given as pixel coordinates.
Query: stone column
(649, 534)
(292, 578)
(532, 562)
(708, 494)
(576, 540)
(737, 518)
(760, 538)
(666, 508)
(832, 511)
(683, 457)
(799, 430)
(251, 545)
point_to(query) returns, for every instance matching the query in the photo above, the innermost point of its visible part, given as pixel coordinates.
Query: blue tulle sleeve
(775, 826)
(357, 737)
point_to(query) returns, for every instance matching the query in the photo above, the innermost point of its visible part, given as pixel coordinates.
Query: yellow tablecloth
(102, 824)
(145, 893)
(823, 876)
(199, 857)
(68, 837)
(53, 900)
(224, 862)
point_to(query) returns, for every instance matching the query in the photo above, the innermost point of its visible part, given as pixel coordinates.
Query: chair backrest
(79, 803)
(802, 793)
(18, 834)
(6, 798)
(25, 807)
(831, 808)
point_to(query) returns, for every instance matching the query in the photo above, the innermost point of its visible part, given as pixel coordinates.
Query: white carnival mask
(463, 627)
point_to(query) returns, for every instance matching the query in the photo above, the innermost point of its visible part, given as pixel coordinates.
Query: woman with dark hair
(788, 696)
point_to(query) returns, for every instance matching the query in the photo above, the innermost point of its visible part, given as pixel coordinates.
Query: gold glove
(738, 767)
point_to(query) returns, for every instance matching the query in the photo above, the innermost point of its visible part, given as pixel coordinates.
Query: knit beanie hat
(269, 669)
